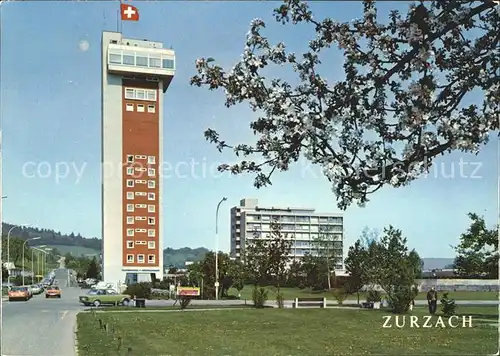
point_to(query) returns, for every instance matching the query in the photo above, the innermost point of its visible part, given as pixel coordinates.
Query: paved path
(40, 326)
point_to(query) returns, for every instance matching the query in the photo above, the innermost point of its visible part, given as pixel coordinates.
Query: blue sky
(51, 113)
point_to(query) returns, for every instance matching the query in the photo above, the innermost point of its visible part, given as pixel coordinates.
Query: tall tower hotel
(135, 75)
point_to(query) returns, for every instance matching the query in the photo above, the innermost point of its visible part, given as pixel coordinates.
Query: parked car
(19, 293)
(53, 292)
(35, 289)
(30, 292)
(104, 297)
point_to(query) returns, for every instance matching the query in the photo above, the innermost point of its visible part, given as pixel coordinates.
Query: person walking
(432, 297)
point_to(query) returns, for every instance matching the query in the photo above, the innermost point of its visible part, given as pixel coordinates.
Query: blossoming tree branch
(400, 105)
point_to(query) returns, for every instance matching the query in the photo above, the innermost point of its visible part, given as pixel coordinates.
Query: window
(130, 232)
(151, 159)
(129, 93)
(151, 208)
(151, 221)
(115, 58)
(130, 220)
(130, 244)
(154, 62)
(141, 169)
(140, 206)
(130, 158)
(140, 242)
(151, 95)
(140, 218)
(151, 109)
(140, 230)
(140, 157)
(140, 194)
(130, 183)
(140, 94)
(140, 258)
(151, 172)
(168, 63)
(140, 181)
(130, 258)
(129, 59)
(151, 258)
(151, 232)
(151, 244)
(130, 107)
(141, 61)
(151, 184)
(140, 108)
(130, 208)
(130, 195)
(130, 171)
(151, 196)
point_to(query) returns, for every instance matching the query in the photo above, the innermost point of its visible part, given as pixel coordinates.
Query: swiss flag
(129, 12)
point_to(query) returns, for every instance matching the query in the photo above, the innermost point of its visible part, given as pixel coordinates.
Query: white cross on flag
(129, 12)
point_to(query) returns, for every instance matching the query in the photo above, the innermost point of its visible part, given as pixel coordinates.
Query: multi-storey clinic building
(302, 225)
(135, 75)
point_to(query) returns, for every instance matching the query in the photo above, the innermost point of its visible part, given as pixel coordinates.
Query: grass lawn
(292, 293)
(276, 332)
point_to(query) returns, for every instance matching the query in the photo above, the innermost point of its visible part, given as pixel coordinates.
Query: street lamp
(24, 245)
(8, 246)
(217, 248)
(38, 259)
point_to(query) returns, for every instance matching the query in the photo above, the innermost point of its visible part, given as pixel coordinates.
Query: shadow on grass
(173, 308)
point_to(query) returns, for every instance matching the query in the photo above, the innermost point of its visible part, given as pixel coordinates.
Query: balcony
(127, 60)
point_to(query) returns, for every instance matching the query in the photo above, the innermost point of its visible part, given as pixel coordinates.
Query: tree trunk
(328, 270)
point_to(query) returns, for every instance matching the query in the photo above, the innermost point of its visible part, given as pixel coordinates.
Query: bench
(309, 302)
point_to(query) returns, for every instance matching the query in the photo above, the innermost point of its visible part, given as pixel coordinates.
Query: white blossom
(396, 103)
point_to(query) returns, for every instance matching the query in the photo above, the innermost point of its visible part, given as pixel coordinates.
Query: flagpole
(119, 22)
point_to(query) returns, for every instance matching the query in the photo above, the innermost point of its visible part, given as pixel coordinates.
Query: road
(42, 327)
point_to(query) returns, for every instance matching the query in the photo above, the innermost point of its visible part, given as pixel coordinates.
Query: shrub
(373, 296)
(139, 290)
(259, 297)
(400, 297)
(448, 306)
(184, 302)
(340, 294)
(280, 300)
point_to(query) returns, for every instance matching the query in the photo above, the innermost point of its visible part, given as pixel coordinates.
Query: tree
(79, 264)
(395, 268)
(266, 259)
(295, 277)
(92, 269)
(327, 246)
(5, 273)
(356, 265)
(315, 272)
(203, 272)
(400, 105)
(477, 253)
(16, 246)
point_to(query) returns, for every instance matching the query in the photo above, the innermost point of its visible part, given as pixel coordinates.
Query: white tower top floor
(129, 57)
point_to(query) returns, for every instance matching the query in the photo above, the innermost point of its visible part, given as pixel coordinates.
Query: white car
(35, 289)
